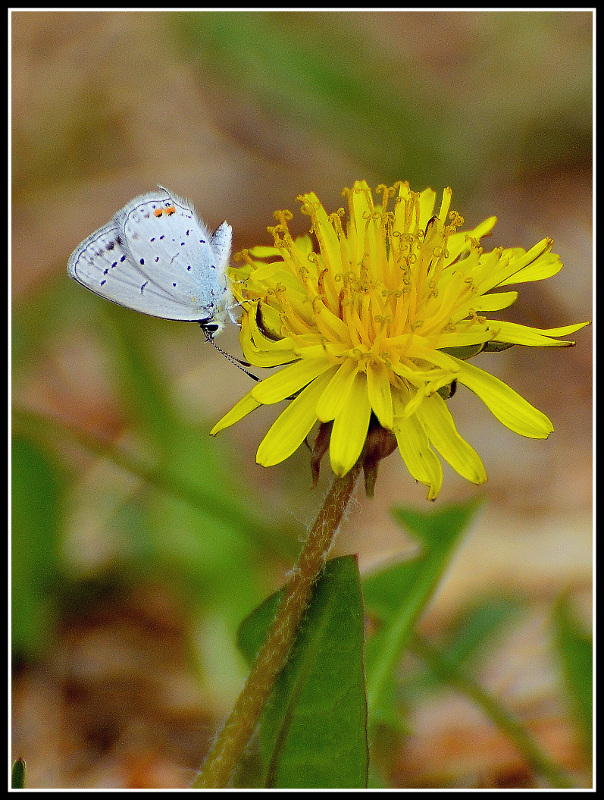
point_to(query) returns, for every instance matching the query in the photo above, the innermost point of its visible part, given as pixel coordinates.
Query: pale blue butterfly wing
(157, 257)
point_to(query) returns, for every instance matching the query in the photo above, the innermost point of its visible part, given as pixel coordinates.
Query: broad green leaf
(575, 649)
(397, 596)
(312, 733)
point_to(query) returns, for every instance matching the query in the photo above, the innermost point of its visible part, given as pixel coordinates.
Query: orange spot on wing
(168, 211)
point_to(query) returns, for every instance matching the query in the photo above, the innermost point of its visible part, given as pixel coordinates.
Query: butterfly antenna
(237, 362)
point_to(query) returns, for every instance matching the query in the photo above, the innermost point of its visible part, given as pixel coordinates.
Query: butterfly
(157, 257)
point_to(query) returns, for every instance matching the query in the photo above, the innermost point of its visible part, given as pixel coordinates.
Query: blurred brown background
(122, 681)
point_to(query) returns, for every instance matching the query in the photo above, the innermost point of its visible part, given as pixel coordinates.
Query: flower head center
(367, 288)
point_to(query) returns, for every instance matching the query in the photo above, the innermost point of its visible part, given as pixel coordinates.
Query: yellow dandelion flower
(375, 325)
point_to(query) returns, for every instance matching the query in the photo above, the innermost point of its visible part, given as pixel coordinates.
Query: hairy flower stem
(228, 747)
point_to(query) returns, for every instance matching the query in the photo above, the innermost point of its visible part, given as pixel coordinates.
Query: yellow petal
(246, 405)
(464, 337)
(264, 251)
(380, 397)
(361, 209)
(271, 323)
(545, 266)
(418, 350)
(445, 204)
(514, 265)
(494, 302)
(290, 380)
(442, 433)
(332, 400)
(350, 427)
(523, 334)
(261, 351)
(507, 405)
(564, 330)
(290, 429)
(427, 199)
(460, 242)
(419, 459)
(325, 233)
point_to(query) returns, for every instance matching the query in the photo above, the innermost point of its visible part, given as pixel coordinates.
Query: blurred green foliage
(36, 492)
(574, 646)
(384, 99)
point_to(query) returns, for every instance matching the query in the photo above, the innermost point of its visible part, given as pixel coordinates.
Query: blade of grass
(495, 711)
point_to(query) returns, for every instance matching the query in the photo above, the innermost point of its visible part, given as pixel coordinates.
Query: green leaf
(312, 733)
(18, 774)
(575, 648)
(474, 629)
(469, 637)
(397, 596)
